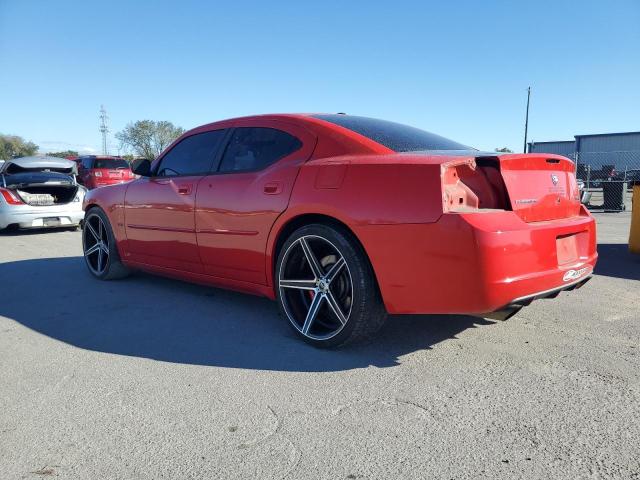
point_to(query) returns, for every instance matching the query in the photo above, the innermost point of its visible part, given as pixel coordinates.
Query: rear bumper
(26, 216)
(517, 304)
(477, 262)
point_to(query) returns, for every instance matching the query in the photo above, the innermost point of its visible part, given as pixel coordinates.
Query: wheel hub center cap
(323, 285)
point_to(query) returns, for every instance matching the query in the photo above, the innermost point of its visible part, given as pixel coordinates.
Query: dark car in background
(98, 171)
(632, 177)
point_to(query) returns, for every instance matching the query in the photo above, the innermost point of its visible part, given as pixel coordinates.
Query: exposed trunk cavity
(41, 188)
(47, 195)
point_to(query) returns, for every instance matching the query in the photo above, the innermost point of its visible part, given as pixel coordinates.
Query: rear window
(112, 163)
(396, 136)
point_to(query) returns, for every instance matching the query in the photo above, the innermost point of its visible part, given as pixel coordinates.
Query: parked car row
(43, 191)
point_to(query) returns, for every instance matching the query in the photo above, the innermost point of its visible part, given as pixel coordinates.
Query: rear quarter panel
(364, 190)
(375, 189)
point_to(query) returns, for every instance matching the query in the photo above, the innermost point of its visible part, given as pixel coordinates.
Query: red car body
(101, 170)
(445, 232)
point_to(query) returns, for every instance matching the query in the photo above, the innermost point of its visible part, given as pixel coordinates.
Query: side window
(254, 148)
(86, 163)
(192, 156)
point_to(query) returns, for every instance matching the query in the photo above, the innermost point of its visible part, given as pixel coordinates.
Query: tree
(147, 138)
(504, 150)
(64, 154)
(12, 146)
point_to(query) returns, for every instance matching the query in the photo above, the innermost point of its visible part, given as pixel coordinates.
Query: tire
(102, 261)
(337, 301)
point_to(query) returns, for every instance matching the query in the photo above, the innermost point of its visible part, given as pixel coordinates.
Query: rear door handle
(273, 188)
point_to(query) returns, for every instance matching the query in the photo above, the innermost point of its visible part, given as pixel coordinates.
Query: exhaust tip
(502, 315)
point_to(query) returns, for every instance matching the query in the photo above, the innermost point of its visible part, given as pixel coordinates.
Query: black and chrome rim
(315, 287)
(96, 244)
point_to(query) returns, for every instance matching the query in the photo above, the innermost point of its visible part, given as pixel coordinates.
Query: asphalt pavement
(150, 378)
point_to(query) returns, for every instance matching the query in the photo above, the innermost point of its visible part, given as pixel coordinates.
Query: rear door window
(194, 155)
(255, 148)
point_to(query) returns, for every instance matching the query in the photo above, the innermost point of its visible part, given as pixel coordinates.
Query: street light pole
(526, 121)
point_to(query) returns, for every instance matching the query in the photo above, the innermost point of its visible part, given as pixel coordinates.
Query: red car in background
(98, 171)
(343, 219)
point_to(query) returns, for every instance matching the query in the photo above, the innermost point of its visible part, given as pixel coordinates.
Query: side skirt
(203, 279)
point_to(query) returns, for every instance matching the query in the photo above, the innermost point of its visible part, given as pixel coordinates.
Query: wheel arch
(91, 205)
(281, 232)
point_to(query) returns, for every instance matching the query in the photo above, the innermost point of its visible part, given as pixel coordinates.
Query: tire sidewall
(363, 287)
(113, 251)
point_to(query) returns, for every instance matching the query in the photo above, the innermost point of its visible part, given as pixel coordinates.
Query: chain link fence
(608, 178)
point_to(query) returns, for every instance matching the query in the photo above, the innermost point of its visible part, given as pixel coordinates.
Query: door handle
(184, 189)
(273, 188)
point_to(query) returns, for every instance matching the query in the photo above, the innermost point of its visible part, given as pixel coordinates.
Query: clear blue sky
(457, 68)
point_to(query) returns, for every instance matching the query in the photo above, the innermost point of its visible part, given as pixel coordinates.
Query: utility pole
(104, 129)
(526, 121)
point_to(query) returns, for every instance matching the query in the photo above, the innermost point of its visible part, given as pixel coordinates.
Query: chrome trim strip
(217, 231)
(161, 229)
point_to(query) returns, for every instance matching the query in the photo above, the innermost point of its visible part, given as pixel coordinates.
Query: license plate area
(115, 174)
(571, 248)
(51, 222)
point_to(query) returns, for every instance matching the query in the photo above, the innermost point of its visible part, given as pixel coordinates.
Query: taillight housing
(10, 197)
(470, 185)
(97, 173)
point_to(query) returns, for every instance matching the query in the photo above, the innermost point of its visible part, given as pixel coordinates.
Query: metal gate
(608, 178)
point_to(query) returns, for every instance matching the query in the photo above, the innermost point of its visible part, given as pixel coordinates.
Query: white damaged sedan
(40, 192)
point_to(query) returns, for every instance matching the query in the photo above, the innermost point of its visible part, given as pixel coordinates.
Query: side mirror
(141, 167)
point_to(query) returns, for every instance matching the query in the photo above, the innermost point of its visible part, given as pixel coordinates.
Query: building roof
(606, 134)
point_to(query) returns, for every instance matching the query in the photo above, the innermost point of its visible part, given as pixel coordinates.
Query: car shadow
(615, 260)
(21, 232)
(156, 318)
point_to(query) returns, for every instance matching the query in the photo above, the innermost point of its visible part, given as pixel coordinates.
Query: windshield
(396, 136)
(110, 163)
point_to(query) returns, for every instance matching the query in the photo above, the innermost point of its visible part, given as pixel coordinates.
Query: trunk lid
(32, 179)
(540, 186)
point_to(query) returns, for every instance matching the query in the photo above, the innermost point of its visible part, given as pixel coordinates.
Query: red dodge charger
(342, 219)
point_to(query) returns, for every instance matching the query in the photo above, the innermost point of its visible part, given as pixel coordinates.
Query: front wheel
(326, 288)
(99, 246)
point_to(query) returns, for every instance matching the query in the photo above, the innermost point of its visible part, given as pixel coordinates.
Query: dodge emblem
(554, 178)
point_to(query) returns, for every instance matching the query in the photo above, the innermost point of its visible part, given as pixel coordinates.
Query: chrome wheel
(316, 288)
(95, 240)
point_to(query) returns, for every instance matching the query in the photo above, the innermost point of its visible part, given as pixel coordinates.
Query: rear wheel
(99, 246)
(326, 288)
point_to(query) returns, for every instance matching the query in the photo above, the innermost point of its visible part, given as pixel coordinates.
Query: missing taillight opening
(473, 184)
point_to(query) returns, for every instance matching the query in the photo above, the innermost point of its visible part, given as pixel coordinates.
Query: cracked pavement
(154, 378)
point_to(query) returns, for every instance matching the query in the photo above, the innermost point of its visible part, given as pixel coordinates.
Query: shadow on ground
(152, 317)
(21, 232)
(615, 260)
